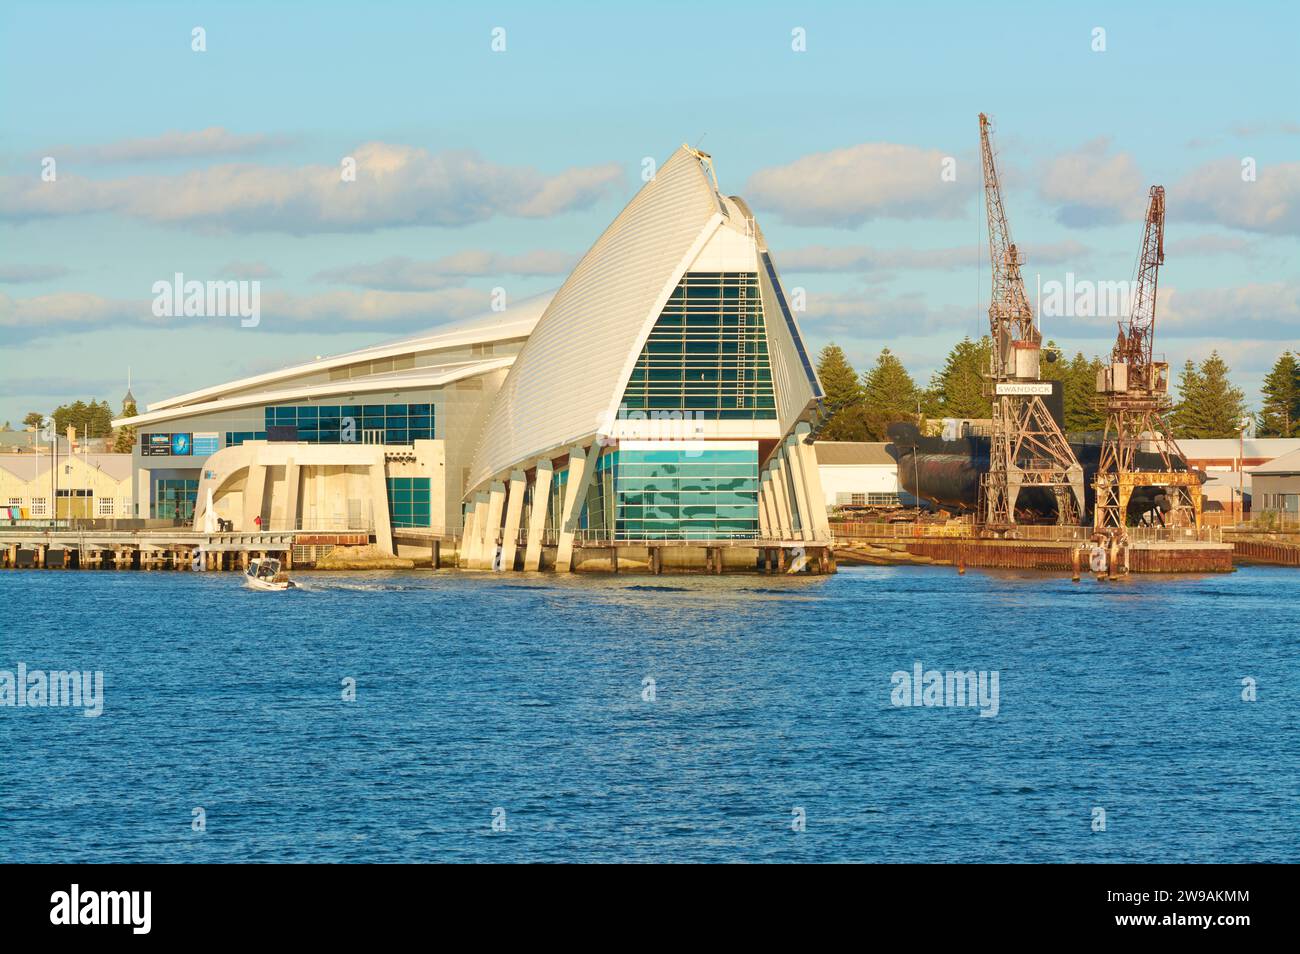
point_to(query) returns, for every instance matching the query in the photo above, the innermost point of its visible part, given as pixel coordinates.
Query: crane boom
(1026, 448)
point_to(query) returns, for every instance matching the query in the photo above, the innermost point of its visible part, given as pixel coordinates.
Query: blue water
(524, 693)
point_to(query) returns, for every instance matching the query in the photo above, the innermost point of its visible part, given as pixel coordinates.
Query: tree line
(862, 406)
(92, 419)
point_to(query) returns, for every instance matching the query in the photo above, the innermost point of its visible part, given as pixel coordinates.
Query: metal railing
(1025, 532)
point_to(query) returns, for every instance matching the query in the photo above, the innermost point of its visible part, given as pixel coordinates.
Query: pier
(74, 548)
(1033, 547)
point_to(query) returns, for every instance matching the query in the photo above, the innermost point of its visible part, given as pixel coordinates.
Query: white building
(663, 393)
(857, 474)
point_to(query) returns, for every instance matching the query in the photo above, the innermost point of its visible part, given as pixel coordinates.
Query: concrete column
(537, 518)
(379, 504)
(496, 503)
(780, 499)
(143, 494)
(812, 483)
(480, 523)
(466, 537)
(514, 510)
(291, 480)
(582, 467)
(797, 483)
(764, 504)
(254, 488)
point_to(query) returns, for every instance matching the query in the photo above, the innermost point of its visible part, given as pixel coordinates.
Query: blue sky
(480, 169)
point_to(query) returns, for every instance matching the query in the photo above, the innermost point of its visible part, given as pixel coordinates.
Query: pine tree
(124, 437)
(34, 419)
(1209, 406)
(957, 390)
(1083, 410)
(1279, 414)
(890, 395)
(843, 396)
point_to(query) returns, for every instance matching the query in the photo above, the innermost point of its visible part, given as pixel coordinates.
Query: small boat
(264, 574)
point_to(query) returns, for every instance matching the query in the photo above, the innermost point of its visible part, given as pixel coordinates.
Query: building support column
(514, 510)
(379, 505)
(780, 498)
(466, 536)
(475, 552)
(542, 479)
(766, 525)
(496, 504)
(791, 452)
(582, 467)
(819, 522)
(291, 480)
(254, 488)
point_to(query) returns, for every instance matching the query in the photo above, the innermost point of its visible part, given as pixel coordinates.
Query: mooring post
(1076, 557)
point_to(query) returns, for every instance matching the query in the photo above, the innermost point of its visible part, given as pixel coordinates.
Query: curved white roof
(569, 376)
(568, 380)
(515, 322)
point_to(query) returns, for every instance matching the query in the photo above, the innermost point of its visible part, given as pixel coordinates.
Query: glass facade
(355, 423)
(174, 498)
(674, 493)
(234, 438)
(408, 501)
(707, 353)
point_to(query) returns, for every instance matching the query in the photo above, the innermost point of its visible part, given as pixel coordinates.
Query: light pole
(54, 470)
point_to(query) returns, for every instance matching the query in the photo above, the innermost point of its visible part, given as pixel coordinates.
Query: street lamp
(54, 471)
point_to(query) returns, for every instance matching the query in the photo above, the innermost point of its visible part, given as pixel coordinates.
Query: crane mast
(1136, 388)
(1027, 448)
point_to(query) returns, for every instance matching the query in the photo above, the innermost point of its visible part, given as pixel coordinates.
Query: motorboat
(264, 573)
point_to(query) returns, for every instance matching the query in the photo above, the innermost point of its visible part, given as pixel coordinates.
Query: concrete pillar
(582, 467)
(542, 480)
(254, 488)
(143, 493)
(379, 504)
(765, 522)
(818, 519)
(475, 556)
(780, 499)
(466, 537)
(797, 483)
(514, 510)
(292, 477)
(496, 504)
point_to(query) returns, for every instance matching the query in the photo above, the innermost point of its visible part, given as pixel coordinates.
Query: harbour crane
(1136, 389)
(1027, 447)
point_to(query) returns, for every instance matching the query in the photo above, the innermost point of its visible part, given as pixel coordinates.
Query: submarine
(947, 472)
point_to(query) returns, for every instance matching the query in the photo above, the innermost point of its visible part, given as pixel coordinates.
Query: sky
(493, 144)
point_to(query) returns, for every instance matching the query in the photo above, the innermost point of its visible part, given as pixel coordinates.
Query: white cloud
(1090, 186)
(65, 312)
(849, 186)
(395, 186)
(863, 258)
(1262, 311)
(405, 274)
(196, 144)
(1215, 192)
(23, 274)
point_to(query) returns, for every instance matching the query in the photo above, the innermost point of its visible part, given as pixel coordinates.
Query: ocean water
(522, 699)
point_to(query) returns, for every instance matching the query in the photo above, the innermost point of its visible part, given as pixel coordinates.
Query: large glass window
(355, 423)
(174, 498)
(675, 493)
(707, 354)
(408, 501)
